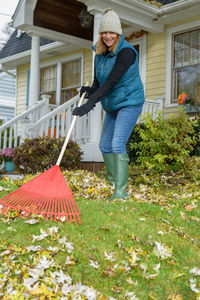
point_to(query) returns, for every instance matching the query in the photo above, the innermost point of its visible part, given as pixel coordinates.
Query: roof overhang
(178, 11)
(138, 13)
(134, 14)
(46, 51)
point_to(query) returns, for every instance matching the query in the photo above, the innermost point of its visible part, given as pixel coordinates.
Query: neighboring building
(7, 96)
(51, 50)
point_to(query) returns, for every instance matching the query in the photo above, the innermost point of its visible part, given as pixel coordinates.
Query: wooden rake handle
(70, 131)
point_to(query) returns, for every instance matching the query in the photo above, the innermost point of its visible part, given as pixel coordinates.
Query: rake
(48, 194)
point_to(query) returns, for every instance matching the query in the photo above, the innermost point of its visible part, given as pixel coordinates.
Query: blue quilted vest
(129, 90)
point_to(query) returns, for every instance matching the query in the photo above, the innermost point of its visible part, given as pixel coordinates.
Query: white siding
(7, 96)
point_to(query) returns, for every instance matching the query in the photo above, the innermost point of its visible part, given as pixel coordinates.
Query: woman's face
(109, 38)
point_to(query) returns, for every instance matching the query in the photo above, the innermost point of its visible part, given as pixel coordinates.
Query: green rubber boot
(109, 163)
(121, 176)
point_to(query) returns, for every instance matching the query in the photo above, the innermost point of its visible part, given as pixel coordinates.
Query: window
(186, 64)
(48, 83)
(64, 87)
(71, 79)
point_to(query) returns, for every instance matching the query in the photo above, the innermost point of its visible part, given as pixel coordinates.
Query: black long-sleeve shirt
(125, 58)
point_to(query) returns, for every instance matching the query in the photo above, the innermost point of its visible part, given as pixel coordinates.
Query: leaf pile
(34, 272)
(146, 247)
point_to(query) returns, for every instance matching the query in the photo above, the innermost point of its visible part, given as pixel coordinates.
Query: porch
(41, 120)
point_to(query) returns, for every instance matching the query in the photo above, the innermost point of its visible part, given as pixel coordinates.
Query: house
(7, 96)
(51, 52)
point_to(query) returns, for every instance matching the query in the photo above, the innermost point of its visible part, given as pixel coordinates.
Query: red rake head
(47, 194)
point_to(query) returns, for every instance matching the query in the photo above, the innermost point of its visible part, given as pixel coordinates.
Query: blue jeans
(117, 128)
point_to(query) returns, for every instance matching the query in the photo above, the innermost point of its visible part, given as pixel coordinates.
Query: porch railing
(11, 133)
(40, 121)
(152, 107)
(57, 122)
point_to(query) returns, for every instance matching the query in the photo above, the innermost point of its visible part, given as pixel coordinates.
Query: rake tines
(47, 194)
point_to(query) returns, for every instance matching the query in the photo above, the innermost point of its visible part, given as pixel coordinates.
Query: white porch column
(59, 83)
(95, 116)
(34, 70)
(92, 152)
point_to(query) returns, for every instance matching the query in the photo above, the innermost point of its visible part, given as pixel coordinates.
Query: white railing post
(25, 128)
(160, 100)
(45, 108)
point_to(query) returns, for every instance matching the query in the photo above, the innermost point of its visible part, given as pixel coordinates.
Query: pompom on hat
(110, 22)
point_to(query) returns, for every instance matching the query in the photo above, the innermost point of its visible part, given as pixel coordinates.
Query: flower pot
(191, 108)
(10, 166)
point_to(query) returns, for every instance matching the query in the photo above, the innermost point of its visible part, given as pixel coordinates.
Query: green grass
(124, 229)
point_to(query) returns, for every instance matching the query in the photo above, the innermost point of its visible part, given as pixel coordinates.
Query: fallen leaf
(116, 289)
(190, 207)
(42, 290)
(109, 256)
(104, 228)
(195, 271)
(32, 221)
(175, 297)
(94, 264)
(109, 272)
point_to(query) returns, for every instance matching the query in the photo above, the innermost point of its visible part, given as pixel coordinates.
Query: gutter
(176, 7)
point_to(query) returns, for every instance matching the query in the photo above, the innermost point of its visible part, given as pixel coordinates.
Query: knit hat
(110, 22)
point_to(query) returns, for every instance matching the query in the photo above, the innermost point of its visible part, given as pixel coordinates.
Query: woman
(117, 84)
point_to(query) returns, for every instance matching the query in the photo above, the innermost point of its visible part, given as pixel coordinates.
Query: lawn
(146, 247)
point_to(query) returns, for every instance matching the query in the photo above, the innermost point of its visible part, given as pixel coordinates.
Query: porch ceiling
(62, 16)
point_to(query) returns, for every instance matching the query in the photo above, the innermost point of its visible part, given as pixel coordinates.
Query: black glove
(84, 109)
(86, 89)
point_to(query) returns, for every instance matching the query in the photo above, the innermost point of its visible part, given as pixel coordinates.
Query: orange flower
(182, 98)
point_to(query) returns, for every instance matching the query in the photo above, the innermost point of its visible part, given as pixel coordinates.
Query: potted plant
(7, 156)
(191, 104)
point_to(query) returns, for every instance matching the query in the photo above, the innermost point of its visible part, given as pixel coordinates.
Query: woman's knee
(119, 147)
(104, 148)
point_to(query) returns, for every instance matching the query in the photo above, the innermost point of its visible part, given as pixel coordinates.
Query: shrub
(164, 144)
(135, 138)
(196, 135)
(39, 154)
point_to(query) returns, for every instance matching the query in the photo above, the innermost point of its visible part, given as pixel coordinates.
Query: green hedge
(164, 144)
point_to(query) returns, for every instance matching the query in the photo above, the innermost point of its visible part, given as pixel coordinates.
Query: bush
(196, 135)
(165, 144)
(135, 138)
(39, 154)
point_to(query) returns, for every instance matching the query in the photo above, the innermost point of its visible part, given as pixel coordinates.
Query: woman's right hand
(86, 89)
